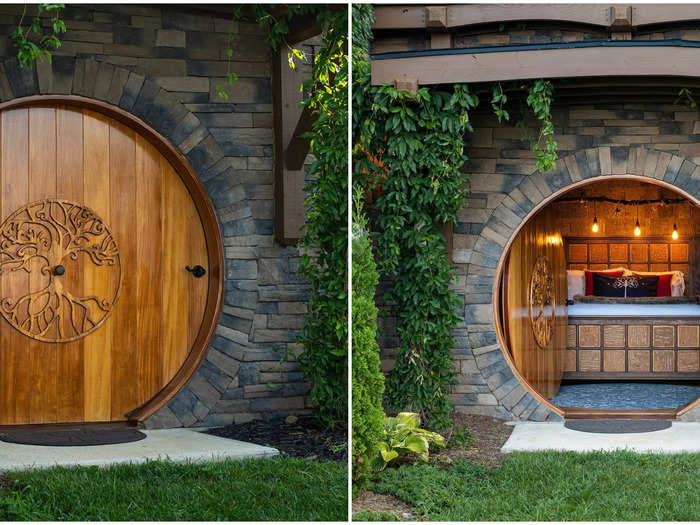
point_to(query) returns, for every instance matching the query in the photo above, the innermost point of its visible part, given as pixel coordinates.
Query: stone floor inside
(626, 395)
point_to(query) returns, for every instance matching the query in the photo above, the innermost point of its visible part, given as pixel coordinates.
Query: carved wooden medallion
(59, 269)
(541, 301)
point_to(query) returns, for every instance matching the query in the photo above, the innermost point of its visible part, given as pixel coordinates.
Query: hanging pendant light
(637, 229)
(595, 218)
(674, 235)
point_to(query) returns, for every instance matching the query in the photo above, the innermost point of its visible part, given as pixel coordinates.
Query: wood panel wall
(90, 159)
(541, 367)
(631, 349)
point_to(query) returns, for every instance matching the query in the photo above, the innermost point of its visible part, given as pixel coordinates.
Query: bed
(629, 338)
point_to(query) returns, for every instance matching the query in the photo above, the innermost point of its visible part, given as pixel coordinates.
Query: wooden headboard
(641, 254)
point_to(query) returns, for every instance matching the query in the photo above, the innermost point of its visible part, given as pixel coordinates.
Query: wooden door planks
(43, 357)
(14, 192)
(97, 372)
(70, 186)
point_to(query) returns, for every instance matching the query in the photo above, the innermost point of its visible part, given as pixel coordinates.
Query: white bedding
(634, 310)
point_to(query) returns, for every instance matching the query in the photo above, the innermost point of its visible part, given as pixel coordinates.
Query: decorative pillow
(575, 283)
(606, 285)
(676, 284)
(628, 286)
(647, 287)
(615, 272)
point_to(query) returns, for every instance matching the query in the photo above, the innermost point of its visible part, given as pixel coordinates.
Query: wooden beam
(298, 147)
(543, 63)
(288, 183)
(413, 16)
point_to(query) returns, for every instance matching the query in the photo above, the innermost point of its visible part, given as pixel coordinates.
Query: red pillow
(589, 278)
(663, 289)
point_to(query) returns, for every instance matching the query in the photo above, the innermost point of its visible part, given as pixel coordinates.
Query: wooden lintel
(298, 146)
(413, 16)
(542, 63)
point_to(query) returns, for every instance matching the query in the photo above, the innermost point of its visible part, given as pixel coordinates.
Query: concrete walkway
(530, 436)
(176, 444)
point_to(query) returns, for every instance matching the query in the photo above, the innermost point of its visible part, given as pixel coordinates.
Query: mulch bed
(486, 437)
(488, 433)
(302, 437)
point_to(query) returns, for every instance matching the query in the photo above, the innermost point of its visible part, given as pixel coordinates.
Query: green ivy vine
(324, 243)
(32, 42)
(540, 100)
(407, 155)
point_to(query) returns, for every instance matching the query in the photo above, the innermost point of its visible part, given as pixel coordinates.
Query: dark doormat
(74, 437)
(617, 426)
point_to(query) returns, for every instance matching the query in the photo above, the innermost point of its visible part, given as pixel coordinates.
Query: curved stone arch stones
(482, 361)
(212, 395)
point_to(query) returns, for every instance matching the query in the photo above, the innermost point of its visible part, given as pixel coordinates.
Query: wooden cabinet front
(99, 312)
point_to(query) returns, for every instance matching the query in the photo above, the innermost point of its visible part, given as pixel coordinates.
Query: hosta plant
(402, 437)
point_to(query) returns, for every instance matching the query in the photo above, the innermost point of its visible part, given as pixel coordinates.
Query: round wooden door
(97, 228)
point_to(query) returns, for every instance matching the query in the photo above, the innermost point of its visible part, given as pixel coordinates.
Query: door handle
(197, 271)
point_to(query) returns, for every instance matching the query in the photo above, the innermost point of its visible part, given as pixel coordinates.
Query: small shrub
(367, 378)
(402, 437)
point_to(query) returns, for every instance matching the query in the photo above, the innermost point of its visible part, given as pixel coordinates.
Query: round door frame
(503, 341)
(212, 235)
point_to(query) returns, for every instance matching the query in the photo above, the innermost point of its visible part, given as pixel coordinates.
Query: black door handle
(197, 271)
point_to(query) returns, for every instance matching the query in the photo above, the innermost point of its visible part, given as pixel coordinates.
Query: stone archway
(498, 375)
(212, 394)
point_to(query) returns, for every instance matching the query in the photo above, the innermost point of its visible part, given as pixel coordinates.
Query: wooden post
(288, 170)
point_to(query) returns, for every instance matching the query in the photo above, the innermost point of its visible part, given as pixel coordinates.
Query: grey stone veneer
(162, 64)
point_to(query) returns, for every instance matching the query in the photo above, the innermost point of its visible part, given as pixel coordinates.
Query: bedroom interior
(600, 299)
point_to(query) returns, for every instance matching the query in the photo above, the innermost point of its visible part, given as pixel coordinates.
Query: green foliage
(276, 21)
(498, 100)
(273, 489)
(324, 243)
(461, 438)
(424, 138)
(686, 95)
(32, 42)
(370, 515)
(367, 378)
(421, 139)
(540, 99)
(402, 437)
(552, 486)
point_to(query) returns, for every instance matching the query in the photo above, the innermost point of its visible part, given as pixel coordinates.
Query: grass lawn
(287, 489)
(551, 486)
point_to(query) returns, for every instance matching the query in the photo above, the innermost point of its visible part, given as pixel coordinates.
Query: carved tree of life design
(38, 243)
(542, 301)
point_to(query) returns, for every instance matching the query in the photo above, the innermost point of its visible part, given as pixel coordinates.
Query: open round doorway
(596, 300)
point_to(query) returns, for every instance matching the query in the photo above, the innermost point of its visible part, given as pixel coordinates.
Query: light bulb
(637, 230)
(674, 235)
(595, 225)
